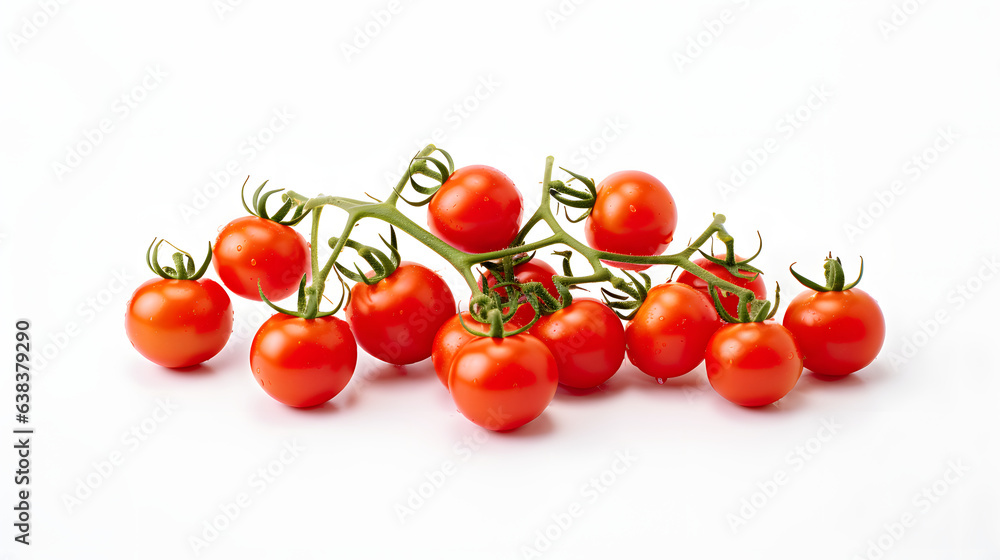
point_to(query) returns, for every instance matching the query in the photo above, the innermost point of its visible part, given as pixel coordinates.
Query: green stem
(534, 219)
(314, 240)
(394, 196)
(470, 259)
(464, 262)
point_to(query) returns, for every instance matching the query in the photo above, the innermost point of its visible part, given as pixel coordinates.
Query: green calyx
(425, 165)
(487, 308)
(635, 294)
(834, 270)
(481, 305)
(740, 269)
(381, 264)
(574, 198)
(308, 307)
(755, 311)
(509, 293)
(750, 309)
(258, 206)
(492, 308)
(183, 268)
(503, 269)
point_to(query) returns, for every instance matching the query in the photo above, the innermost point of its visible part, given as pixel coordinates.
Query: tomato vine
(484, 307)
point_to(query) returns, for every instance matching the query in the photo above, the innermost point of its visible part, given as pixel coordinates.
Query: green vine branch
(425, 165)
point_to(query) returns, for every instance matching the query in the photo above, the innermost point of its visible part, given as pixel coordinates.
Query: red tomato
(838, 332)
(303, 362)
(396, 318)
(670, 331)
(633, 214)
(476, 210)
(252, 249)
(179, 323)
(730, 302)
(587, 340)
(535, 270)
(753, 364)
(503, 383)
(450, 338)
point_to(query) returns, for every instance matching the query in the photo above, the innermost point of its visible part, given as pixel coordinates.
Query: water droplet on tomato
(239, 247)
(253, 262)
(660, 380)
(631, 207)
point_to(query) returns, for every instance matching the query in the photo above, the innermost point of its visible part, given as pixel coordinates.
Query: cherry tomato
(476, 210)
(753, 364)
(303, 362)
(252, 249)
(587, 340)
(730, 302)
(450, 338)
(535, 270)
(503, 383)
(634, 214)
(670, 331)
(179, 323)
(396, 318)
(838, 332)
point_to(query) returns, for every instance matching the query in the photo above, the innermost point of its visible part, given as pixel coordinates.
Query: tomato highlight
(503, 383)
(303, 362)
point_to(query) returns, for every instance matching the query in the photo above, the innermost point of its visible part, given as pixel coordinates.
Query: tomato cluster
(524, 333)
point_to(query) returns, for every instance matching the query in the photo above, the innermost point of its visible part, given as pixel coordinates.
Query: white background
(896, 73)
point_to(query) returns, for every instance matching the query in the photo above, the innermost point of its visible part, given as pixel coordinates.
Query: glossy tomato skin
(477, 210)
(503, 383)
(730, 302)
(670, 331)
(303, 362)
(535, 270)
(395, 319)
(587, 340)
(753, 364)
(450, 338)
(179, 323)
(839, 333)
(252, 249)
(634, 214)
